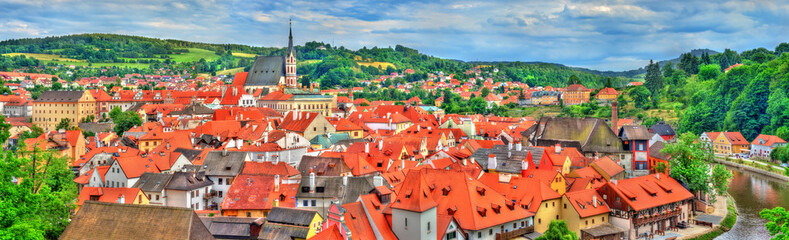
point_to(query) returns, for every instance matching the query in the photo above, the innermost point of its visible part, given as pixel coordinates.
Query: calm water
(753, 193)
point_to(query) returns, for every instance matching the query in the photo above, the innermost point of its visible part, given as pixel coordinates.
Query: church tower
(290, 62)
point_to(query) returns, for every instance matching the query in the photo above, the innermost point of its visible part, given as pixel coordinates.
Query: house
(481, 212)
(591, 136)
(664, 130)
(530, 194)
(575, 94)
(152, 185)
(730, 144)
(306, 124)
(763, 144)
(190, 189)
(606, 95)
(256, 195)
(318, 193)
(650, 203)
(291, 223)
(51, 107)
(233, 227)
(584, 209)
(635, 139)
(111, 195)
(608, 168)
(181, 223)
(125, 171)
(658, 162)
(221, 167)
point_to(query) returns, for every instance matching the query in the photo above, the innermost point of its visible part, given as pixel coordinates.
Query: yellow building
(730, 143)
(549, 210)
(292, 218)
(53, 106)
(298, 100)
(112, 195)
(576, 94)
(583, 209)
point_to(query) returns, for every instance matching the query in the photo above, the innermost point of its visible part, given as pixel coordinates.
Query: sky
(602, 35)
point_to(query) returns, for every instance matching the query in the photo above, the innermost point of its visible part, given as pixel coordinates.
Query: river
(752, 193)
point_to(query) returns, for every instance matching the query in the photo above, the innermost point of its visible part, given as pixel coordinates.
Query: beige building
(53, 106)
(298, 100)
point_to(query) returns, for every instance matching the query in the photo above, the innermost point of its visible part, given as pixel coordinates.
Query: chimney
(465, 162)
(122, 199)
(491, 162)
(275, 159)
(345, 180)
(594, 200)
(614, 117)
(239, 143)
(276, 183)
(509, 146)
(312, 182)
(381, 145)
(295, 116)
(276, 202)
(378, 181)
(519, 147)
(310, 87)
(402, 164)
(366, 147)
(224, 152)
(558, 148)
(657, 175)
(613, 181)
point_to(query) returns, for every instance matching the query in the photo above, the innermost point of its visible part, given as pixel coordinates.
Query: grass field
(121, 65)
(244, 55)
(194, 55)
(44, 57)
(535, 112)
(381, 65)
(231, 71)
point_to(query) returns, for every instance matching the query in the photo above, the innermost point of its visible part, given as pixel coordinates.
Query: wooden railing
(641, 221)
(514, 233)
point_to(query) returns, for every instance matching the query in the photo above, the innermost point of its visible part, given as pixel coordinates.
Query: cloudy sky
(605, 35)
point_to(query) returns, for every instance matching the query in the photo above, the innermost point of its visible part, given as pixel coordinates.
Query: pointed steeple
(290, 36)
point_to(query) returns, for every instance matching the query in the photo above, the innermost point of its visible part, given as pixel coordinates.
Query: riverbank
(763, 172)
(725, 225)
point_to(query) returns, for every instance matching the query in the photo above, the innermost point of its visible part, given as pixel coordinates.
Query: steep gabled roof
(649, 191)
(587, 203)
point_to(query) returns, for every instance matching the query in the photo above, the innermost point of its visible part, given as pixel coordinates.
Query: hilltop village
(264, 156)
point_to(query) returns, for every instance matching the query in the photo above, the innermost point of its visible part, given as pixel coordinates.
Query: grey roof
(603, 229)
(219, 163)
(274, 231)
(332, 186)
(266, 71)
(229, 227)
(128, 221)
(188, 153)
(153, 182)
(96, 127)
(589, 135)
(509, 161)
(634, 132)
(291, 216)
(662, 129)
(60, 96)
(188, 181)
(194, 109)
(654, 151)
(323, 166)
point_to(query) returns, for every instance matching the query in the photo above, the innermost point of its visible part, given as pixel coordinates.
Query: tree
(485, 92)
(720, 179)
(688, 63)
(37, 194)
(668, 70)
(124, 120)
(65, 124)
(781, 48)
(653, 78)
(56, 86)
(777, 222)
(558, 230)
(780, 154)
(640, 96)
(709, 71)
(689, 162)
(608, 82)
(573, 80)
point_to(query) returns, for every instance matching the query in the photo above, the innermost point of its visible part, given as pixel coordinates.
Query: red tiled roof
(736, 138)
(583, 202)
(769, 140)
(357, 222)
(108, 194)
(269, 169)
(297, 121)
(637, 192)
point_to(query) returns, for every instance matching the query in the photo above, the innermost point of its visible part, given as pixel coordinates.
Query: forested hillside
(331, 66)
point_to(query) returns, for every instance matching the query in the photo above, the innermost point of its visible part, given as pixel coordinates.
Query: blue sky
(605, 35)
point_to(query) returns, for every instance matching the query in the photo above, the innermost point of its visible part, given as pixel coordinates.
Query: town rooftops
(291, 216)
(60, 96)
(153, 182)
(224, 163)
(587, 203)
(662, 129)
(649, 191)
(125, 221)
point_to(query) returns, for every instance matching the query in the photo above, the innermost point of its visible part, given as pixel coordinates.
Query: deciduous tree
(777, 222)
(558, 230)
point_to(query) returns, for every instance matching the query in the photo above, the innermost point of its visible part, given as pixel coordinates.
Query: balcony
(210, 194)
(647, 220)
(514, 233)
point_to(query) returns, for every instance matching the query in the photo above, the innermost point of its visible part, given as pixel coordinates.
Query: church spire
(290, 36)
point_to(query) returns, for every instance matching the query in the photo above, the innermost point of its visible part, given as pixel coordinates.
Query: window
(157, 197)
(565, 206)
(428, 226)
(249, 214)
(305, 203)
(539, 221)
(452, 235)
(479, 234)
(586, 222)
(406, 222)
(592, 220)
(219, 193)
(490, 231)
(220, 181)
(314, 203)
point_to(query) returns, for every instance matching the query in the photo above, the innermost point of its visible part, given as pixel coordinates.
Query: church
(276, 78)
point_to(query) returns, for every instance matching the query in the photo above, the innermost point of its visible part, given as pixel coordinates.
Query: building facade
(53, 106)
